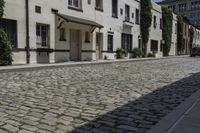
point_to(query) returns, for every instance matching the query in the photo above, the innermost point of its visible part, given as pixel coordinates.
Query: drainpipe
(27, 33)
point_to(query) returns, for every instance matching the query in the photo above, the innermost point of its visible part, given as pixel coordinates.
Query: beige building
(70, 30)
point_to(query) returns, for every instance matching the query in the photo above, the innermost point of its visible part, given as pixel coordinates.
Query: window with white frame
(42, 34)
(75, 3)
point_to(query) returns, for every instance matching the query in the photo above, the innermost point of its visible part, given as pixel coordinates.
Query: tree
(5, 45)
(180, 33)
(146, 20)
(167, 29)
(2, 4)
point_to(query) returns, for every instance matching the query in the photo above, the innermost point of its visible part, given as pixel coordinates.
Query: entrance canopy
(79, 21)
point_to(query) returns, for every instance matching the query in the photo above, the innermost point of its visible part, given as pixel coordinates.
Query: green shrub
(5, 50)
(151, 55)
(137, 52)
(120, 53)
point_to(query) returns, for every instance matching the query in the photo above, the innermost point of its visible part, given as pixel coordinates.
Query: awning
(79, 20)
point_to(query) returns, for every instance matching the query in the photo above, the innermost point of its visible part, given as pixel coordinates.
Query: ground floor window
(127, 42)
(42, 33)
(154, 45)
(161, 46)
(110, 43)
(10, 28)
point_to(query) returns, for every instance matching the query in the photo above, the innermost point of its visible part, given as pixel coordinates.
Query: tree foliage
(145, 20)
(180, 33)
(5, 49)
(167, 29)
(2, 4)
(5, 45)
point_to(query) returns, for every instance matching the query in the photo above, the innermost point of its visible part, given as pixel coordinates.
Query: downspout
(27, 33)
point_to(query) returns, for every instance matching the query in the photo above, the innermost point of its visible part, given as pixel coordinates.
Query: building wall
(155, 32)
(111, 25)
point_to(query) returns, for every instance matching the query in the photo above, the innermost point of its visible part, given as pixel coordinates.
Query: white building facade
(70, 30)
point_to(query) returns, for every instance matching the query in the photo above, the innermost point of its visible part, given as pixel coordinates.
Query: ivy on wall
(5, 46)
(2, 4)
(167, 18)
(179, 33)
(145, 20)
(191, 37)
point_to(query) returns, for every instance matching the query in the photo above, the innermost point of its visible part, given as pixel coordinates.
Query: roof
(79, 20)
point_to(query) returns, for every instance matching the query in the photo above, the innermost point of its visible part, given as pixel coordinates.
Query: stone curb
(167, 124)
(71, 64)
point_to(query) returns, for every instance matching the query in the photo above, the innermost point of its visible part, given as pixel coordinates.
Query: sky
(157, 0)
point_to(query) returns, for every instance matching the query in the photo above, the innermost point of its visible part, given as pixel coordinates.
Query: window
(137, 16)
(127, 13)
(161, 46)
(62, 34)
(89, 2)
(154, 45)
(161, 23)
(182, 7)
(175, 28)
(115, 8)
(37, 9)
(75, 3)
(99, 5)
(10, 28)
(87, 37)
(110, 43)
(42, 34)
(121, 11)
(127, 42)
(154, 22)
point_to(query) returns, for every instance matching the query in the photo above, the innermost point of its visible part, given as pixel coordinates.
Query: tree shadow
(142, 114)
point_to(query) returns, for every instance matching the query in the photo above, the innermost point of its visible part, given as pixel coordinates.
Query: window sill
(62, 40)
(98, 9)
(87, 41)
(76, 9)
(115, 16)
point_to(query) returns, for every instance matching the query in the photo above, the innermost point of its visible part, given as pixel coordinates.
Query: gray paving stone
(118, 97)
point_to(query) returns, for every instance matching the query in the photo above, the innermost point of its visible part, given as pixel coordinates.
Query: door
(75, 46)
(99, 40)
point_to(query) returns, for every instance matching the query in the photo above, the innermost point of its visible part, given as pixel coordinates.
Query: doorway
(75, 45)
(99, 44)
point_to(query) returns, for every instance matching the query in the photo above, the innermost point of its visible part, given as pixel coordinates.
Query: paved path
(117, 97)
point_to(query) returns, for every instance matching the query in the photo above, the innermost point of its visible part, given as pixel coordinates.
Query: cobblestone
(116, 97)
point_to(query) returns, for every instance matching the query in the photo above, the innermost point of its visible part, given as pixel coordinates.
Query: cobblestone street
(116, 97)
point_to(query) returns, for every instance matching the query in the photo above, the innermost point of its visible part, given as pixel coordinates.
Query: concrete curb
(167, 124)
(71, 64)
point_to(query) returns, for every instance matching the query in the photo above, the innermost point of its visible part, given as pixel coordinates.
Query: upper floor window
(127, 13)
(161, 23)
(37, 9)
(182, 7)
(99, 5)
(115, 8)
(154, 22)
(195, 5)
(137, 16)
(75, 3)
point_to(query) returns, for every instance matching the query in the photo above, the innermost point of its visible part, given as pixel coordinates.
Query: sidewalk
(184, 119)
(40, 66)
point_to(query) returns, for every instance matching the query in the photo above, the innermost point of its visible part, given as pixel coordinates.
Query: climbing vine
(145, 20)
(191, 37)
(2, 4)
(180, 33)
(5, 46)
(167, 29)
